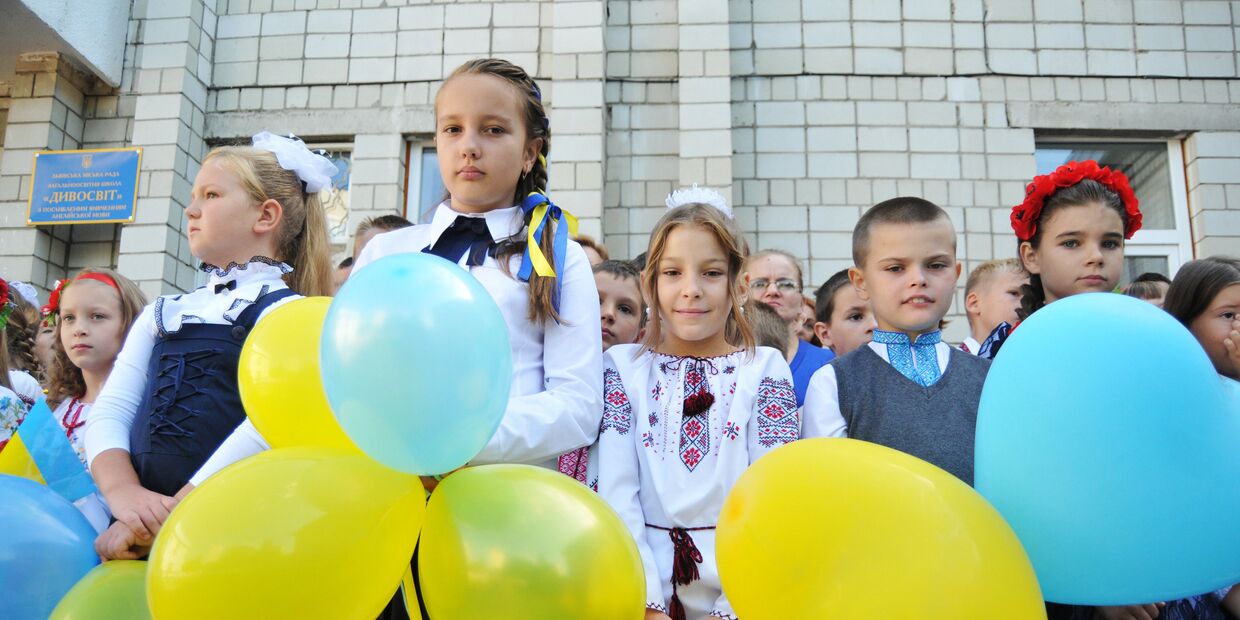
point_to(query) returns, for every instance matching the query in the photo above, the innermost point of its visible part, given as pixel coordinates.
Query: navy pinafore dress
(192, 402)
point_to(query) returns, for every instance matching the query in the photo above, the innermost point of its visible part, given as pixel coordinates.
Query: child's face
(852, 324)
(693, 291)
(482, 142)
(1081, 251)
(1214, 326)
(909, 274)
(43, 344)
(620, 309)
(996, 301)
(221, 217)
(90, 324)
(773, 281)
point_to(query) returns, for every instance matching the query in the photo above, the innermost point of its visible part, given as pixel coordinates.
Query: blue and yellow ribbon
(543, 212)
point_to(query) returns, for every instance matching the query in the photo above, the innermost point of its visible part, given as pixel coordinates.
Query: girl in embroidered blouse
(172, 396)
(690, 408)
(90, 319)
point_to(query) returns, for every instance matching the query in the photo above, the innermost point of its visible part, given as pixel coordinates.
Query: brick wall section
(46, 107)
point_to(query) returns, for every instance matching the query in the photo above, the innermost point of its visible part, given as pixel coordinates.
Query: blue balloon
(46, 546)
(416, 363)
(1106, 441)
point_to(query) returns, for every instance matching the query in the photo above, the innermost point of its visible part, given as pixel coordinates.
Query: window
(336, 198)
(424, 190)
(1156, 170)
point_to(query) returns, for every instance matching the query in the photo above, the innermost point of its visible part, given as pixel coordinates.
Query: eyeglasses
(784, 285)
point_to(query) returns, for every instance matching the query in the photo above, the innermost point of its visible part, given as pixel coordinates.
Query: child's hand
(1232, 342)
(654, 614)
(1148, 611)
(119, 543)
(142, 511)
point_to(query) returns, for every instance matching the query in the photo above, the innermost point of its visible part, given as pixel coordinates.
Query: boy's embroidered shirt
(821, 414)
(916, 360)
(556, 396)
(664, 465)
(113, 413)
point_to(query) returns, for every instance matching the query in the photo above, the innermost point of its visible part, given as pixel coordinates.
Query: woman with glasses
(774, 278)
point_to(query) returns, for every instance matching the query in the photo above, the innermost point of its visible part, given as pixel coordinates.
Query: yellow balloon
(518, 541)
(112, 590)
(278, 378)
(289, 533)
(840, 528)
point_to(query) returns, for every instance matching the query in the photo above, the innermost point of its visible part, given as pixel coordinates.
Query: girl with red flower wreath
(90, 315)
(1071, 230)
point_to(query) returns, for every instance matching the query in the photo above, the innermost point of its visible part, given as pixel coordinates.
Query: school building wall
(803, 111)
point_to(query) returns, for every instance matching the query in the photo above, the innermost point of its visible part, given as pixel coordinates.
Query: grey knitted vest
(935, 424)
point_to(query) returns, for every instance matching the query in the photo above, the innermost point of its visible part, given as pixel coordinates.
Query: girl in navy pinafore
(172, 397)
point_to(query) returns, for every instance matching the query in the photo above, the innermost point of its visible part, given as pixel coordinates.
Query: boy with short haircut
(906, 389)
(843, 320)
(620, 302)
(991, 299)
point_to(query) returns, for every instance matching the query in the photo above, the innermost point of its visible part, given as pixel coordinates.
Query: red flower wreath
(6, 307)
(1025, 215)
(52, 309)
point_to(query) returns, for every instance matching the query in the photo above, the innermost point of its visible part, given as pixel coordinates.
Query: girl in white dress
(688, 410)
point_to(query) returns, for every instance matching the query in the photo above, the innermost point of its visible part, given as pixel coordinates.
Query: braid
(21, 340)
(1032, 297)
(538, 127)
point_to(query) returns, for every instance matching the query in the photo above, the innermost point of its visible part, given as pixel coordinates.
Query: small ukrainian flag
(40, 451)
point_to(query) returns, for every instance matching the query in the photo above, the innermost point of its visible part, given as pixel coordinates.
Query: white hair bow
(27, 292)
(704, 195)
(315, 170)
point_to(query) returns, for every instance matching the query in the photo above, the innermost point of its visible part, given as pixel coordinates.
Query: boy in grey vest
(906, 389)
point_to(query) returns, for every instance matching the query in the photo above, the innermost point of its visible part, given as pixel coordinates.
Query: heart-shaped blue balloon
(1107, 440)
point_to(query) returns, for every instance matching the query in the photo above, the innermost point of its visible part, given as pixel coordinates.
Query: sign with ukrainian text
(95, 186)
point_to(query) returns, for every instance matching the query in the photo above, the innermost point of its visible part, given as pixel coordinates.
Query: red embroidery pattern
(694, 442)
(776, 406)
(617, 411)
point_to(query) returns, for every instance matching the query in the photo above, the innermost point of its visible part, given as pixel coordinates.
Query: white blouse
(113, 412)
(26, 386)
(556, 397)
(658, 467)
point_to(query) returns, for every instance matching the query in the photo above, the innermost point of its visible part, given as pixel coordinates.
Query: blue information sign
(93, 186)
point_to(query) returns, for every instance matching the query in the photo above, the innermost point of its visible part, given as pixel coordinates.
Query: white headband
(704, 195)
(315, 170)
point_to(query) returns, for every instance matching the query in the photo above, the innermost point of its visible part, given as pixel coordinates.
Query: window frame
(413, 175)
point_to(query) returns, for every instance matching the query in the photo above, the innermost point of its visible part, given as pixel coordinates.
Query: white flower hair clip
(703, 195)
(26, 291)
(314, 170)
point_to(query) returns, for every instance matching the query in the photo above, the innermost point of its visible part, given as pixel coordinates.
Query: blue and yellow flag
(41, 451)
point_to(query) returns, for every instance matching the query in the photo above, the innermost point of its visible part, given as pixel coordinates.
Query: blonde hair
(983, 272)
(302, 239)
(737, 332)
(64, 380)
